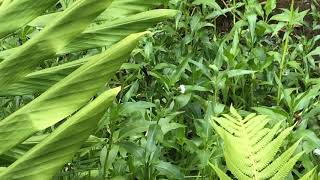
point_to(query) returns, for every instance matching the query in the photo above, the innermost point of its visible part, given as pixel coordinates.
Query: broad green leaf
(315, 52)
(49, 41)
(252, 20)
(18, 13)
(167, 126)
(239, 72)
(49, 156)
(133, 128)
(134, 149)
(154, 135)
(170, 170)
(295, 19)
(65, 97)
(270, 6)
(224, 11)
(131, 107)
(311, 140)
(210, 3)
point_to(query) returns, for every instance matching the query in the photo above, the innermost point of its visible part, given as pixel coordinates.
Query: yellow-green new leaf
(46, 158)
(250, 148)
(310, 175)
(49, 41)
(65, 97)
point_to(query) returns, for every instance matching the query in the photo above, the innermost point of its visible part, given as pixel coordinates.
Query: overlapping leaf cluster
(62, 94)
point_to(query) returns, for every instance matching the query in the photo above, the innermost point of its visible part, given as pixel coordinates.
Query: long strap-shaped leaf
(49, 41)
(21, 12)
(41, 80)
(109, 33)
(45, 159)
(124, 8)
(118, 9)
(65, 97)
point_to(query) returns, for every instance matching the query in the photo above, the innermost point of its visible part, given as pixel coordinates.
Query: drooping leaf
(270, 6)
(49, 156)
(49, 41)
(18, 13)
(65, 97)
(109, 34)
(169, 170)
(239, 72)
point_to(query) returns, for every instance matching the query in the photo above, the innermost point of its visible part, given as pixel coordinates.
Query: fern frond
(250, 147)
(279, 162)
(282, 173)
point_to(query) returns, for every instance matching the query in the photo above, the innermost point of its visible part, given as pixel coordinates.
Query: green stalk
(284, 54)
(234, 14)
(282, 66)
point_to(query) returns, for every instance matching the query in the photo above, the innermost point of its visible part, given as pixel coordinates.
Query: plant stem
(285, 53)
(282, 66)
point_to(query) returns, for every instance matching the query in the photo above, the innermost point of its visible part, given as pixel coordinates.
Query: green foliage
(63, 110)
(250, 148)
(258, 56)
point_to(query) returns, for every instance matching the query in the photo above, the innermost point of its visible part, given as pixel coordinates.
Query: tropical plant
(260, 56)
(63, 94)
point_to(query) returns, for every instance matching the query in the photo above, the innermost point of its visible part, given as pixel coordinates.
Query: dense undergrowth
(213, 55)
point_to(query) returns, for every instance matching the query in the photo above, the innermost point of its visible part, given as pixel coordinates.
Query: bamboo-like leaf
(108, 33)
(65, 97)
(124, 8)
(251, 157)
(48, 157)
(16, 14)
(39, 81)
(117, 9)
(16, 152)
(49, 41)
